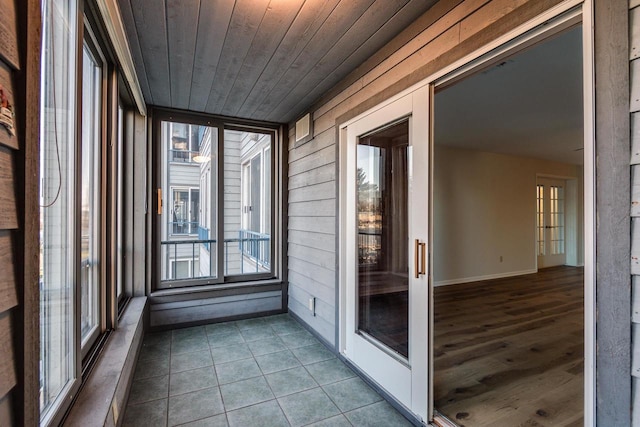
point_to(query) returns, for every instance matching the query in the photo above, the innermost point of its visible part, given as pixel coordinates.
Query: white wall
(484, 209)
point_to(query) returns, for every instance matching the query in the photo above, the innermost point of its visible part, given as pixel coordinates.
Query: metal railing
(254, 250)
(184, 227)
(182, 156)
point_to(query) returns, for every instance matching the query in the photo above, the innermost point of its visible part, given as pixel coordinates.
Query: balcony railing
(253, 250)
(182, 156)
(184, 227)
(369, 246)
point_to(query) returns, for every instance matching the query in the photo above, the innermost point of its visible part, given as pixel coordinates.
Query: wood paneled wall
(19, 297)
(450, 30)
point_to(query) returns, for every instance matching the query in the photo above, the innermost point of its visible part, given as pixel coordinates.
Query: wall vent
(303, 129)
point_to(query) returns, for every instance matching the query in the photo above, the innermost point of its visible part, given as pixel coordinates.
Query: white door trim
(562, 16)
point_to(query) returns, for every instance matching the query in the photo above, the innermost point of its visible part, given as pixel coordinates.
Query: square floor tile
(257, 322)
(312, 354)
(195, 379)
(337, 421)
(188, 361)
(156, 346)
(188, 333)
(149, 389)
(287, 327)
(215, 421)
(380, 413)
(152, 413)
(237, 371)
(274, 362)
(278, 318)
(231, 353)
(245, 393)
(308, 407)
(267, 414)
(226, 339)
(189, 345)
(299, 339)
(290, 381)
(221, 329)
(329, 371)
(351, 394)
(194, 406)
(256, 334)
(152, 368)
(269, 345)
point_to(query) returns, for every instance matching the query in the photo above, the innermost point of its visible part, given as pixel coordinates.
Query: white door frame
(562, 15)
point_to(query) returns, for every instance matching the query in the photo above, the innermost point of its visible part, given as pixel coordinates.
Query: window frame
(221, 124)
(109, 198)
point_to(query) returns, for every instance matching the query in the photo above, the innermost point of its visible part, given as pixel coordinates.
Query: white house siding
(232, 195)
(634, 69)
(447, 32)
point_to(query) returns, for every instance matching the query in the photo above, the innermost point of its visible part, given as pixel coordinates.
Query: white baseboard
(486, 277)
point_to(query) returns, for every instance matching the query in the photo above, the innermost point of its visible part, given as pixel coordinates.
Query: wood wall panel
(9, 33)
(8, 377)
(6, 80)
(8, 206)
(6, 411)
(8, 294)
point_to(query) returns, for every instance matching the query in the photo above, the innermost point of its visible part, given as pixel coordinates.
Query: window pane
(189, 216)
(90, 191)
(382, 185)
(247, 197)
(120, 199)
(57, 129)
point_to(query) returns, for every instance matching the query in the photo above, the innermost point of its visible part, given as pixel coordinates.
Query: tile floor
(259, 372)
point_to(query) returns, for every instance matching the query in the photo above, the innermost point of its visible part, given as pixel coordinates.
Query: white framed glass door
(550, 222)
(385, 232)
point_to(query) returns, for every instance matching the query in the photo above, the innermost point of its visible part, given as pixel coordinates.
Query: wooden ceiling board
(304, 27)
(213, 23)
(382, 36)
(129, 24)
(275, 24)
(337, 24)
(181, 39)
(245, 21)
(151, 24)
(256, 59)
(373, 19)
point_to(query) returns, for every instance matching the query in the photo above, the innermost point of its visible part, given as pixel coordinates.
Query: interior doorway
(508, 239)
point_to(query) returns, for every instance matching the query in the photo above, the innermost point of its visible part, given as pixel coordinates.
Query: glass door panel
(384, 235)
(247, 198)
(382, 221)
(189, 220)
(551, 228)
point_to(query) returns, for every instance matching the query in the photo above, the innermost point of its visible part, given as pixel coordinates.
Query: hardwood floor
(509, 352)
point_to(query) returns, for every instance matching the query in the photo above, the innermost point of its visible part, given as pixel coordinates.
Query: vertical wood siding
(447, 32)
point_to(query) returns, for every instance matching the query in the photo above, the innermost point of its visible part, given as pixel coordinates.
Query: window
(185, 211)
(89, 197)
(74, 295)
(57, 226)
(540, 219)
(217, 202)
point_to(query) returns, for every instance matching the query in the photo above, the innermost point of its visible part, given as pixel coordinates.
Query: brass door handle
(159, 201)
(420, 258)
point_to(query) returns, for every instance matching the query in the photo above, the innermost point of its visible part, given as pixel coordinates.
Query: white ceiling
(528, 105)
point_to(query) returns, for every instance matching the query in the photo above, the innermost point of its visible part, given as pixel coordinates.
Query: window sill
(199, 289)
(103, 396)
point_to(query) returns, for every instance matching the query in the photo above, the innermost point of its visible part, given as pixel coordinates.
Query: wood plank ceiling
(258, 59)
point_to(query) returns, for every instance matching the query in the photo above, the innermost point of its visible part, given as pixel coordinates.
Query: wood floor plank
(509, 352)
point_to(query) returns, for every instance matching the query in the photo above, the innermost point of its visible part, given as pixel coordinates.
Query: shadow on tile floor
(260, 372)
